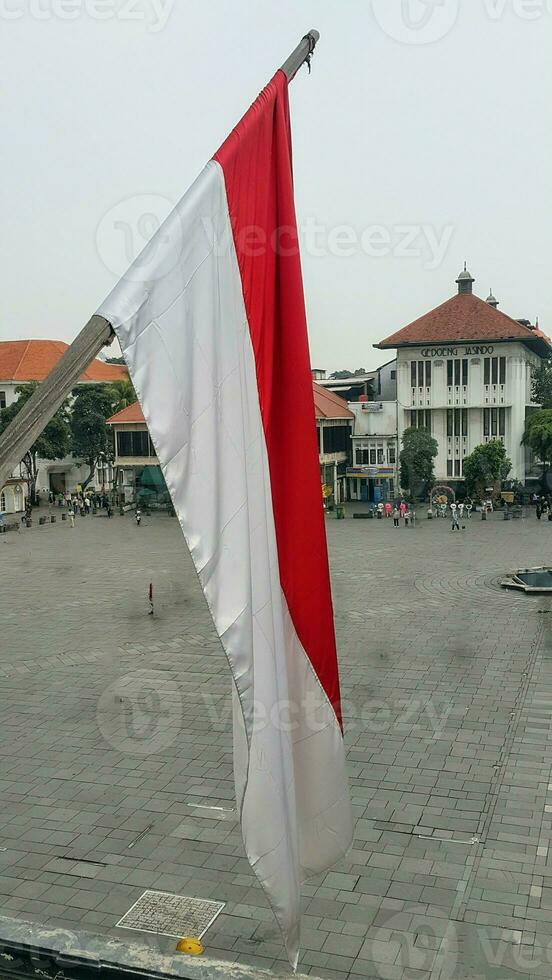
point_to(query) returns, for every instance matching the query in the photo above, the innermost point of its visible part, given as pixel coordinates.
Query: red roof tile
(327, 405)
(32, 360)
(132, 413)
(464, 317)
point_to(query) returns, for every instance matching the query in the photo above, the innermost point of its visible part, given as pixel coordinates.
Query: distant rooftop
(32, 360)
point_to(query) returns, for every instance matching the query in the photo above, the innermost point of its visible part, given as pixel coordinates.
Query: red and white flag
(211, 322)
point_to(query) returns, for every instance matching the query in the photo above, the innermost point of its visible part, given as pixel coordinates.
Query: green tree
(123, 394)
(92, 438)
(418, 453)
(53, 442)
(486, 466)
(538, 437)
(541, 383)
(343, 375)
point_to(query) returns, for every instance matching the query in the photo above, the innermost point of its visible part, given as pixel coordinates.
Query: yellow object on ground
(191, 946)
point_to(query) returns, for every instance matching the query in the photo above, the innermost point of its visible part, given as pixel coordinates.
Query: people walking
(396, 516)
(71, 516)
(388, 509)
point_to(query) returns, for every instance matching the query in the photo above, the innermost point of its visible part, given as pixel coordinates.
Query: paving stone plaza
(117, 755)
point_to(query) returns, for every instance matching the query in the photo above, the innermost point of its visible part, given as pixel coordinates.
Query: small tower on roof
(492, 300)
(465, 281)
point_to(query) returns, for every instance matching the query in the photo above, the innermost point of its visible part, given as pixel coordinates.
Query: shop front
(372, 484)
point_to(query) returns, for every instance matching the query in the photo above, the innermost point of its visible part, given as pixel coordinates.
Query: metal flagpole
(44, 403)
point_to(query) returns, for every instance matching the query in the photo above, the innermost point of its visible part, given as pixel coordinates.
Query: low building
(334, 427)
(138, 473)
(464, 373)
(24, 361)
(13, 496)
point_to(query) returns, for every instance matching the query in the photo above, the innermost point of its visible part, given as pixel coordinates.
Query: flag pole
(26, 427)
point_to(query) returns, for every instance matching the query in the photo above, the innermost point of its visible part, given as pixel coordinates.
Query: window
(335, 439)
(393, 375)
(391, 455)
(420, 419)
(2, 399)
(457, 421)
(502, 421)
(372, 457)
(494, 422)
(487, 371)
(457, 467)
(420, 374)
(457, 372)
(486, 421)
(449, 467)
(133, 444)
(380, 456)
(494, 370)
(2, 501)
(502, 370)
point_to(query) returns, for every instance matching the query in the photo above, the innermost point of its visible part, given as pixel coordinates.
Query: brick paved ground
(116, 736)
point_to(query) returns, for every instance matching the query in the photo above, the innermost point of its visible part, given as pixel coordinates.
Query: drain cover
(170, 915)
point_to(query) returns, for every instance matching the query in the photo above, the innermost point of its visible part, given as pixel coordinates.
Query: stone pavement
(116, 741)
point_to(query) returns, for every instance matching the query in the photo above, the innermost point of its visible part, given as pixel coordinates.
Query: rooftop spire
(492, 300)
(465, 281)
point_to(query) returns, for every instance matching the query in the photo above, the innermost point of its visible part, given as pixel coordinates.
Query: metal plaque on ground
(171, 915)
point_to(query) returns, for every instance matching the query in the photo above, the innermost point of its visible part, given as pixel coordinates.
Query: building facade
(24, 361)
(138, 475)
(464, 373)
(334, 428)
(372, 473)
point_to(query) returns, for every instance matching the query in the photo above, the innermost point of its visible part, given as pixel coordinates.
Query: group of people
(399, 511)
(85, 504)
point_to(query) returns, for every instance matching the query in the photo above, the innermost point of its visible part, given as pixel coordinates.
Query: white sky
(110, 115)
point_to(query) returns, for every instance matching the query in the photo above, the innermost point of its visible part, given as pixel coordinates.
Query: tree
(486, 466)
(416, 462)
(92, 438)
(123, 394)
(343, 375)
(541, 383)
(538, 437)
(52, 443)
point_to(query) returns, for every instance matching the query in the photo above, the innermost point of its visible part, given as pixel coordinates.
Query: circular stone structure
(529, 579)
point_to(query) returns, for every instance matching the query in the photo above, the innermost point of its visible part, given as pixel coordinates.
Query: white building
(24, 361)
(464, 373)
(372, 476)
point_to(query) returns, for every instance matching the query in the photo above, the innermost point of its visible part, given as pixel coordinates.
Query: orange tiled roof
(132, 413)
(463, 317)
(32, 360)
(327, 405)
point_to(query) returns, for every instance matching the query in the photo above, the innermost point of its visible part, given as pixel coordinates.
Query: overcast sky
(422, 138)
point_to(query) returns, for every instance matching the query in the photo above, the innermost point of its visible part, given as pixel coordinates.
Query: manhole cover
(170, 915)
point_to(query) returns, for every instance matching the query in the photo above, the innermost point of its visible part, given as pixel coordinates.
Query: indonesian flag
(211, 322)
